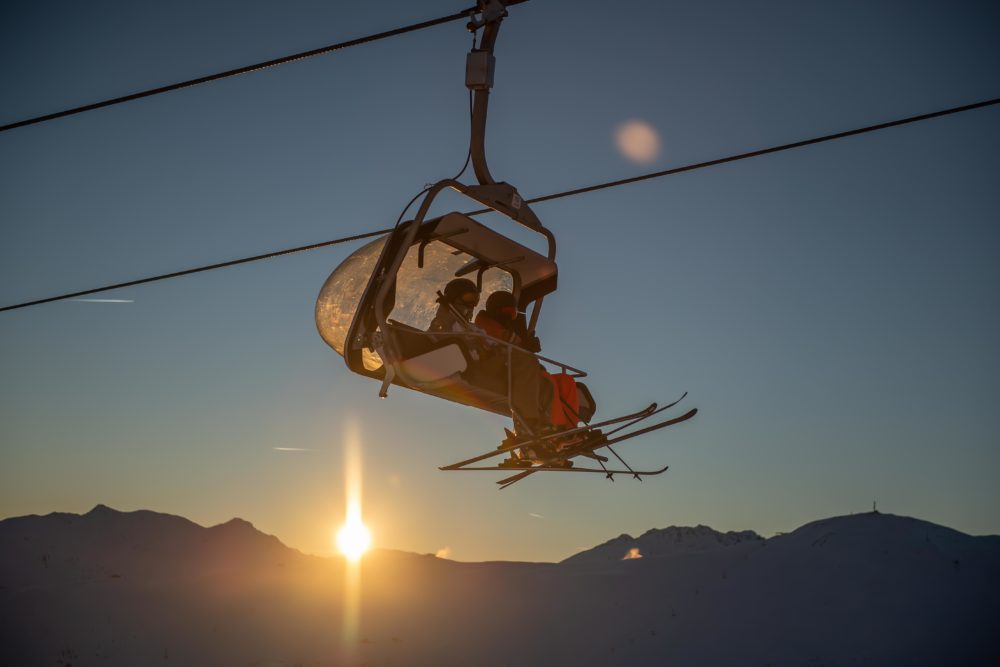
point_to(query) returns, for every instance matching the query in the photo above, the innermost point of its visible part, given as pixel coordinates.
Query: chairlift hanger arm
(479, 68)
(480, 65)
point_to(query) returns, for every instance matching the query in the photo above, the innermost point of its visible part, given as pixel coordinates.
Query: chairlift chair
(376, 307)
(379, 325)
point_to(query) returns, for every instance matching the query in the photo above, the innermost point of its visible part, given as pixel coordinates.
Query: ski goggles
(510, 312)
(469, 298)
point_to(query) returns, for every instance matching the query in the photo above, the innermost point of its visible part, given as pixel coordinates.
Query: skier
(456, 303)
(528, 393)
(502, 320)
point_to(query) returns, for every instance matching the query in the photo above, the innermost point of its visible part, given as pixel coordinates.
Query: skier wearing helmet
(456, 303)
(490, 370)
(502, 320)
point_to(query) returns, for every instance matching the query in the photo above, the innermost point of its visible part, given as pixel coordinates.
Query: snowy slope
(138, 588)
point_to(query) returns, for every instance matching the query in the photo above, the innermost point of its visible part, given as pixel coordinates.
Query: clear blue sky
(833, 311)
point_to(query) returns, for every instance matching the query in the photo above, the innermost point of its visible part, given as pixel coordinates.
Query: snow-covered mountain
(662, 542)
(140, 588)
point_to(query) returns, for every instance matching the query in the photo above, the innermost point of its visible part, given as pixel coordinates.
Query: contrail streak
(105, 300)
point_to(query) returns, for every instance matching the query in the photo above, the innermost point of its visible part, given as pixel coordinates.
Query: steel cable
(220, 265)
(242, 70)
(544, 198)
(758, 153)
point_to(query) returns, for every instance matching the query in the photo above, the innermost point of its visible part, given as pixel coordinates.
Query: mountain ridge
(657, 542)
(131, 588)
(651, 543)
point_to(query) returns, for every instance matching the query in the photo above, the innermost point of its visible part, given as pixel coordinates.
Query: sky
(832, 311)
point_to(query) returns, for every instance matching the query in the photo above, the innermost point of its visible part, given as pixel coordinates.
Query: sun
(354, 538)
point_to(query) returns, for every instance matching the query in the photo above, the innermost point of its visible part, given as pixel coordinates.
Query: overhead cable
(246, 69)
(544, 198)
(758, 153)
(186, 272)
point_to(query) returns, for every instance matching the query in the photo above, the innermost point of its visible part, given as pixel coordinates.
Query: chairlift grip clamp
(489, 11)
(480, 64)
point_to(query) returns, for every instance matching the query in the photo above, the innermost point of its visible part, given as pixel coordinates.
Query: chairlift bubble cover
(449, 246)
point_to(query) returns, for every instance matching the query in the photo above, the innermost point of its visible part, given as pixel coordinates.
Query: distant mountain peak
(701, 531)
(138, 542)
(101, 508)
(663, 542)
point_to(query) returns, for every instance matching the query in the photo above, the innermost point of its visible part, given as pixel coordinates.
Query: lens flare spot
(638, 141)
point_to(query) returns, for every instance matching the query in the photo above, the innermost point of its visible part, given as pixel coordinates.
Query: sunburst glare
(354, 538)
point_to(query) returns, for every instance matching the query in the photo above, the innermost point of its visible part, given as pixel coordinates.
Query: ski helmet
(459, 287)
(502, 304)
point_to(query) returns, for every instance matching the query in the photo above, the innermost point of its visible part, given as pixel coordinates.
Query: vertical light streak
(352, 566)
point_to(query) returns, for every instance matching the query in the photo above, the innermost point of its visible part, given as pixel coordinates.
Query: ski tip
(690, 413)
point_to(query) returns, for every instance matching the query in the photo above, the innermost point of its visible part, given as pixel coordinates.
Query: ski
(503, 449)
(549, 468)
(638, 474)
(507, 481)
(648, 429)
(632, 418)
(583, 451)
